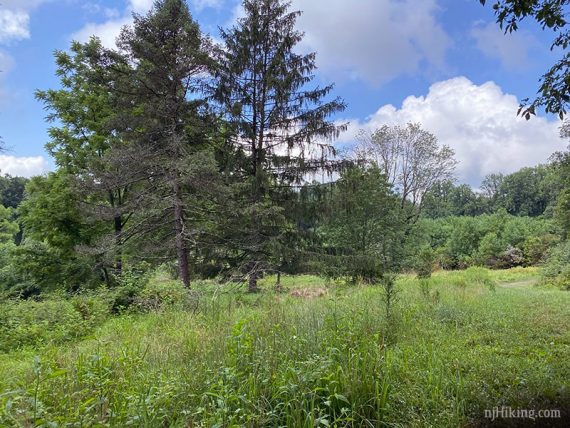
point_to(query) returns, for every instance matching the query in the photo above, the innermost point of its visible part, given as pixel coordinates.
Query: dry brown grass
(309, 293)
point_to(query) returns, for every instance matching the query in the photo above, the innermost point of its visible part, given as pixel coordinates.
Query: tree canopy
(554, 89)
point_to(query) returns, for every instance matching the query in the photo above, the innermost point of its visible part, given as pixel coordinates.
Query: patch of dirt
(519, 284)
(309, 293)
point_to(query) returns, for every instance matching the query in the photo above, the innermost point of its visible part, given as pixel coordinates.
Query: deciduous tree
(411, 159)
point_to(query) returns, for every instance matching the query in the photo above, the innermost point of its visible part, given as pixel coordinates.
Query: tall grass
(227, 359)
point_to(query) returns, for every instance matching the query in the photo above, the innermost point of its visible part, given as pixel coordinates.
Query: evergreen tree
(364, 228)
(279, 125)
(158, 74)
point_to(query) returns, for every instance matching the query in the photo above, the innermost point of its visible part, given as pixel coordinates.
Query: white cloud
(203, 4)
(15, 19)
(107, 31)
(512, 49)
(479, 122)
(140, 6)
(374, 40)
(23, 166)
(110, 29)
(14, 25)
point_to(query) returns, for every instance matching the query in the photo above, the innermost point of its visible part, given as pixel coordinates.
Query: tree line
(218, 160)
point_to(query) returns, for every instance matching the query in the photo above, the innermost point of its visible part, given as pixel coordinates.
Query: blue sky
(443, 63)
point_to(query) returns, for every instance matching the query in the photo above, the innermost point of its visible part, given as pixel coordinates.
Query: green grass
(454, 347)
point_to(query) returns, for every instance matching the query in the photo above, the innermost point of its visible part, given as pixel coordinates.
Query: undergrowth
(223, 358)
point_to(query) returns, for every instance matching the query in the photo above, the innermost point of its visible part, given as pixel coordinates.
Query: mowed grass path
(452, 349)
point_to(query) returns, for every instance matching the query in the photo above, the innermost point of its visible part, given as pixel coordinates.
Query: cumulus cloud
(479, 122)
(15, 19)
(374, 40)
(13, 25)
(23, 166)
(511, 49)
(109, 30)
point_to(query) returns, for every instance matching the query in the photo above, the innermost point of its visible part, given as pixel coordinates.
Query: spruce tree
(279, 125)
(157, 75)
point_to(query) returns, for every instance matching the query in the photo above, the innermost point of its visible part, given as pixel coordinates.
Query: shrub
(557, 270)
(425, 261)
(510, 258)
(537, 248)
(158, 295)
(33, 323)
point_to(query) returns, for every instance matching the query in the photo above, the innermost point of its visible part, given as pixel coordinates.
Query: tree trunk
(252, 283)
(181, 250)
(107, 278)
(118, 222)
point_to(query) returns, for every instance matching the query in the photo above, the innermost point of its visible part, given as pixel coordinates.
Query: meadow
(312, 354)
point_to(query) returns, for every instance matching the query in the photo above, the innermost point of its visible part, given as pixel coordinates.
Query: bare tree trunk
(181, 250)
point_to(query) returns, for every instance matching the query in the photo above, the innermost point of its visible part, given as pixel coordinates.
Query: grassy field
(312, 355)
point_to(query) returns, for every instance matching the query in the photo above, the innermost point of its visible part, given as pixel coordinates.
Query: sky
(442, 63)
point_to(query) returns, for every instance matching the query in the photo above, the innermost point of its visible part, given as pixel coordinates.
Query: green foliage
(364, 225)
(12, 190)
(479, 277)
(274, 360)
(529, 192)
(536, 248)
(499, 240)
(557, 269)
(8, 228)
(490, 248)
(38, 266)
(425, 262)
(552, 15)
(50, 213)
(274, 120)
(445, 199)
(51, 321)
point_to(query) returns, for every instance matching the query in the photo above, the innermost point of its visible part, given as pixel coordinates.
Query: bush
(510, 258)
(131, 284)
(537, 248)
(33, 323)
(494, 241)
(159, 295)
(557, 269)
(490, 249)
(425, 261)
